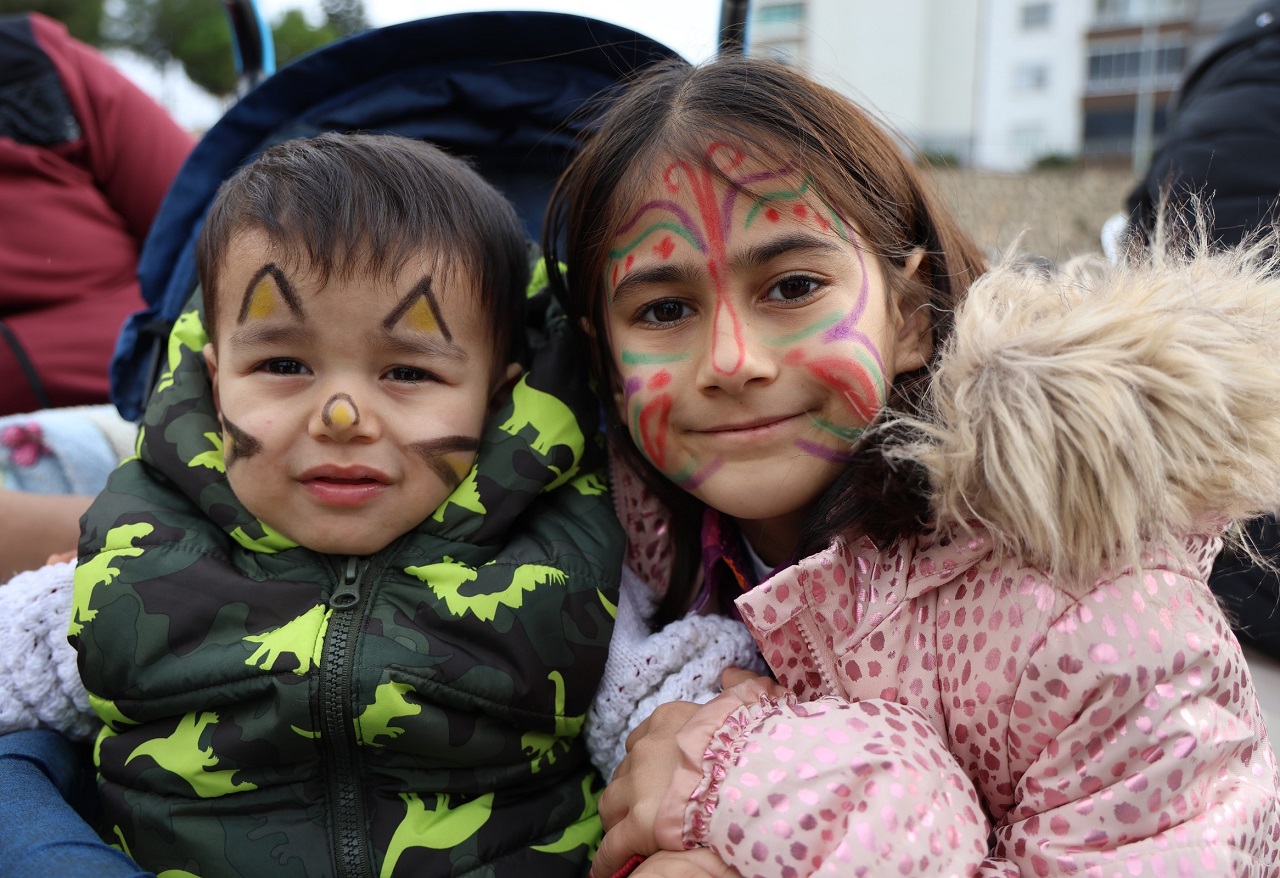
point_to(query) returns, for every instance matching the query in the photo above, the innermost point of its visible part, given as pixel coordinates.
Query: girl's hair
(674, 111)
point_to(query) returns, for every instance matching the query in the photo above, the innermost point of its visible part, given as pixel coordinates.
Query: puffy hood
(1082, 414)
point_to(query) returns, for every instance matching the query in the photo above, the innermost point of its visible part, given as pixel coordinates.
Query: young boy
(344, 612)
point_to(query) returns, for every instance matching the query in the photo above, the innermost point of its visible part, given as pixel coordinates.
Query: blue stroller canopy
(502, 88)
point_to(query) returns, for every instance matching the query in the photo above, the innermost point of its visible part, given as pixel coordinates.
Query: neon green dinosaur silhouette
(182, 754)
(98, 570)
(551, 419)
(445, 579)
(389, 704)
(301, 638)
(188, 333)
(439, 829)
(213, 459)
(584, 831)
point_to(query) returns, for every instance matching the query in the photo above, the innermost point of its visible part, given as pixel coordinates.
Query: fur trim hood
(1081, 414)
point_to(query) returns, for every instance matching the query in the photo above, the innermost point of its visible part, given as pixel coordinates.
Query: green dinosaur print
(445, 580)
(584, 831)
(269, 543)
(301, 638)
(213, 459)
(182, 754)
(589, 485)
(98, 570)
(439, 829)
(389, 704)
(466, 496)
(551, 419)
(188, 332)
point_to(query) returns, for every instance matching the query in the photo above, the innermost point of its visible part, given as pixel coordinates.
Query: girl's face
(754, 336)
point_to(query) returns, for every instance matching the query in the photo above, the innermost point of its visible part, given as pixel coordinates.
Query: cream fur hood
(1080, 415)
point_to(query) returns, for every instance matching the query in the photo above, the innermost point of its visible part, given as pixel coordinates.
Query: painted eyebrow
(282, 286)
(421, 290)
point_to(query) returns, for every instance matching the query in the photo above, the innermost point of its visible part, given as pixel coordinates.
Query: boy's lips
(344, 485)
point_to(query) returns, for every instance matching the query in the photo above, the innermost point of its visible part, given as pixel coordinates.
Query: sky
(688, 26)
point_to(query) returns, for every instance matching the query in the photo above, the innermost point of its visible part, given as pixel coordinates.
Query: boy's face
(349, 411)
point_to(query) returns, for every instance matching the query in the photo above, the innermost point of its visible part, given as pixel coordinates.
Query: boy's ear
(211, 363)
(502, 387)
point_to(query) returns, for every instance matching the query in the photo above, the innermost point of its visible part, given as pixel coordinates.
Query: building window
(1134, 11)
(1036, 15)
(782, 13)
(1120, 66)
(1031, 77)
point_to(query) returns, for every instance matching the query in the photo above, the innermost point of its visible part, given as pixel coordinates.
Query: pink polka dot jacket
(1042, 683)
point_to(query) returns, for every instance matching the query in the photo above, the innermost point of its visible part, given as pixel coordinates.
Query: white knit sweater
(681, 662)
(39, 682)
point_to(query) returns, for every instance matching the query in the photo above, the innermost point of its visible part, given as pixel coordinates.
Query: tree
(83, 18)
(295, 36)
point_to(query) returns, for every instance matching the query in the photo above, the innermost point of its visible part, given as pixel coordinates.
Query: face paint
(752, 336)
(340, 412)
(436, 454)
(266, 292)
(242, 446)
(420, 312)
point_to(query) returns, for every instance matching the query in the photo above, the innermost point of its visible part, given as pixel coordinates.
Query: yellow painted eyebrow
(260, 300)
(420, 310)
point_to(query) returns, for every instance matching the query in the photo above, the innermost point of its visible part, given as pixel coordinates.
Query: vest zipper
(350, 833)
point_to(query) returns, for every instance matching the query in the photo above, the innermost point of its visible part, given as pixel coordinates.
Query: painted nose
(735, 355)
(340, 418)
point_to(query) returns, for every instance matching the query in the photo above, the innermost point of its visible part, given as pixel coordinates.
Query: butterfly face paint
(352, 407)
(754, 337)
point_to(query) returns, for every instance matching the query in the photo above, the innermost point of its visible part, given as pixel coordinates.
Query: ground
(1059, 213)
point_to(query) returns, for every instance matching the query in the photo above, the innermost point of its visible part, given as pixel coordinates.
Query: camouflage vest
(273, 711)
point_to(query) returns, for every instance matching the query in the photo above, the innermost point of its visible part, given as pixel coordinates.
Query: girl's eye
(409, 374)
(666, 311)
(790, 289)
(285, 366)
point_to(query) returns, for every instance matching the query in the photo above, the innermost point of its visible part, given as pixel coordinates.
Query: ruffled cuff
(709, 744)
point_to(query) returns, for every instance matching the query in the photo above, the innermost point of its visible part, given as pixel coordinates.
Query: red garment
(78, 193)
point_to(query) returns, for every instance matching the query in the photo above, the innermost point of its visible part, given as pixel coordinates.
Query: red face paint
(853, 383)
(653, 429)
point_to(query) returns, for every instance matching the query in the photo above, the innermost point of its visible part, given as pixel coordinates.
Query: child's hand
(664, 761)
(61, 557)
(629, 805)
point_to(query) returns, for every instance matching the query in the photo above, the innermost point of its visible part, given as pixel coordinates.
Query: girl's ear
(915, 329)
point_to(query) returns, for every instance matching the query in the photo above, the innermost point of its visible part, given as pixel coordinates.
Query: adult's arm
(37, 526)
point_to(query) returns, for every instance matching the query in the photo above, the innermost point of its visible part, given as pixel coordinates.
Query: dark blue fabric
(503, 88)
(43, 835)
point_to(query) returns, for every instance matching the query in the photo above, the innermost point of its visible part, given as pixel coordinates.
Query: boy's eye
(795, 287)
(667, 311)
(409, 374)
(284, 366)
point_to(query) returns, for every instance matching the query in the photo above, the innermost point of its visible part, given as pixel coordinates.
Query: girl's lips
(755, 425)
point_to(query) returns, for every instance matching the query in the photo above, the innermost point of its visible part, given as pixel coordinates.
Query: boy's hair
(353, 203)
(673, 111)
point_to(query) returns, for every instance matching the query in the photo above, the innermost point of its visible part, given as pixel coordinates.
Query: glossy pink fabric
(955, 715)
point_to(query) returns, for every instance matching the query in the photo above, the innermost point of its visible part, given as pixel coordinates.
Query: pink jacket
(951, 708)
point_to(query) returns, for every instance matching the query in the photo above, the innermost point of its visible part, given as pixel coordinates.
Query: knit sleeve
(39, 681)
(681, 662)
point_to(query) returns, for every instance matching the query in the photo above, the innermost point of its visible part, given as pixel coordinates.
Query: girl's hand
(641, 806)
(629, 805)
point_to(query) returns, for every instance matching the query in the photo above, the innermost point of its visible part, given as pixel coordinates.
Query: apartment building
(1001, 84)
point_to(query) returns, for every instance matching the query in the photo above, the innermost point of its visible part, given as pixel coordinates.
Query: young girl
(986, 614)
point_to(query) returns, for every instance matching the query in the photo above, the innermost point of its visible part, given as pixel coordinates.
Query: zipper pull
(347, 594)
